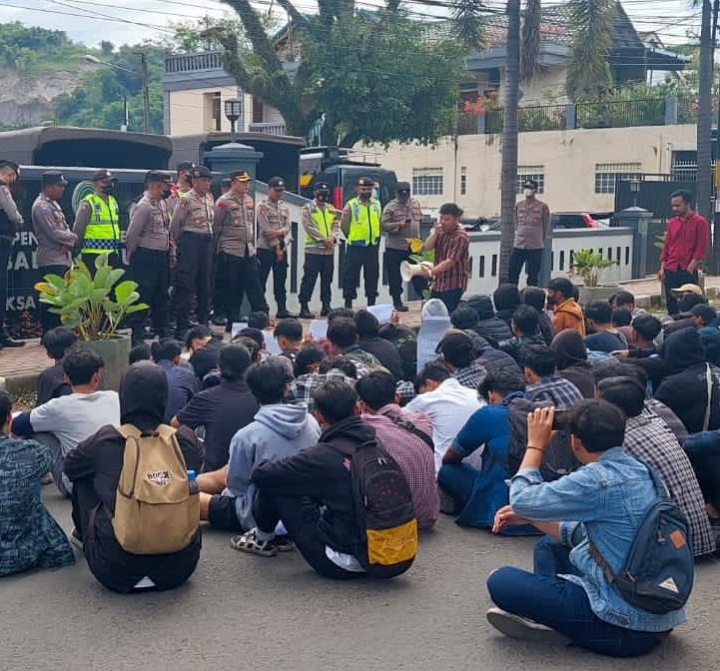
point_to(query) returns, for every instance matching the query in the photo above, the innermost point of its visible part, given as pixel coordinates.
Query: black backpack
(387, 541)
(659, 570)
(558, 459)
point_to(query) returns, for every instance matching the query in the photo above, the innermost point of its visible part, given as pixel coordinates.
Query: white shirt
(448, 407)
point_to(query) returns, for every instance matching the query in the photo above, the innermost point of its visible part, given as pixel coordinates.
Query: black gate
(651, 192)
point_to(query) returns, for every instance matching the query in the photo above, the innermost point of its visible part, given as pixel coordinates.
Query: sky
(130, 21)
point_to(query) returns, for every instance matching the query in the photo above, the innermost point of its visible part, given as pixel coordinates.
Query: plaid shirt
(649, 439)
(302, 389)
(471, 376)
(454, 246)
(560, 392)
(414, 456)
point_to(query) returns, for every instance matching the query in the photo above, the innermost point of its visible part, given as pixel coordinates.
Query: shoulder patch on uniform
(222, 204)
(45, 208)
(262, 209)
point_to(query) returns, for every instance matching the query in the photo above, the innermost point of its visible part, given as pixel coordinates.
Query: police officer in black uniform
(11, 222)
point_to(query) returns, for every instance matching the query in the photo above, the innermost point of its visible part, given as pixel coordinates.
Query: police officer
(400, 220)
(219, 290)
(361, 226)
(321, 222)
(234, 229)
(97, 223)
(191, 231)
(148, 248)
(11, 222)
(225, 185)
(183, 185)
(273, 218)
(54, 237)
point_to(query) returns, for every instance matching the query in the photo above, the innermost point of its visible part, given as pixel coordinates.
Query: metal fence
(620, 114)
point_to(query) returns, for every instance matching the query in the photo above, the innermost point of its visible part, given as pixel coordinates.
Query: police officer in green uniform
(97, 222)
(192, 232)
(321, 223)
(11, 222)
(361, 226)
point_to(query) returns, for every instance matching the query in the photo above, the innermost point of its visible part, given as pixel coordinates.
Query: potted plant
(421, 257)
(588, 265)
(95, 306)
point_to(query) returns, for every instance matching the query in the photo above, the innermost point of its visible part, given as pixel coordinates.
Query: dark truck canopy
(86, 147)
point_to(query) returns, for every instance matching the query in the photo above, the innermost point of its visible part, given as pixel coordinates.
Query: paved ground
(245, 612)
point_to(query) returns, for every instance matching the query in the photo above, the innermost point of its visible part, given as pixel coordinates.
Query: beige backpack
(155, 512)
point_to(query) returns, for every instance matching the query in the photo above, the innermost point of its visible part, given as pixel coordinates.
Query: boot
(283, 313)
(325, 310)
(305, 312)
(400, 306)
(348, 303)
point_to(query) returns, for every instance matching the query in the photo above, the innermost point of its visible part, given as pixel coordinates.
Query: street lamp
(233, 111)
(143, 76)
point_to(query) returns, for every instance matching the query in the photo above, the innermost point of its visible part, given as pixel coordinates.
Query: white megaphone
(410, 270)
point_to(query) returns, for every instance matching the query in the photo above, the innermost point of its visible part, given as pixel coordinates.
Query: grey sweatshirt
(276, 432)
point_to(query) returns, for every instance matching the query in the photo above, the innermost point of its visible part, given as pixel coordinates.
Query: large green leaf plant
(93, 305)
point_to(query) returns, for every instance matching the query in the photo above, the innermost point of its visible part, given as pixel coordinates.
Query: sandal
(249, 542)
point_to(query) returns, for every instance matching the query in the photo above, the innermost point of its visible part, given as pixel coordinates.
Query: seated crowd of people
(536, 417)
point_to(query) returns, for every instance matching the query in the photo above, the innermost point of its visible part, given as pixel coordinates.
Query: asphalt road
(244, 612)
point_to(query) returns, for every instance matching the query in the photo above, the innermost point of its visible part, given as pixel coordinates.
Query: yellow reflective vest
(324, 218)
(102, 232)
(364, 229)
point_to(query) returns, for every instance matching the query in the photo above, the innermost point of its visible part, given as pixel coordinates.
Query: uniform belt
(99, 245)
(362, 243)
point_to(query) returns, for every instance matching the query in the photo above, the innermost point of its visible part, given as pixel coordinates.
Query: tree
(704, 113)
(376, 76)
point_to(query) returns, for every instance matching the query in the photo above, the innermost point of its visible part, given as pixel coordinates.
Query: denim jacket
(605, 499)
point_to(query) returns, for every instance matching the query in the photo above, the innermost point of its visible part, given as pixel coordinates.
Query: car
(578, 219)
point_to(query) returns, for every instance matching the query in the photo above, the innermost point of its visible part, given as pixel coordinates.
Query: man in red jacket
(686, 241)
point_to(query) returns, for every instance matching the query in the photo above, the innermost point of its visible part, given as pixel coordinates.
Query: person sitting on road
(705, 320)
(368, 328)
(626, 301)
(63, 422)
(311, 492)
(289, 336)
(456, 352)
(506, 299)
(567, 314)
(258, 320)
(407, 437)
(621, 319)
(466, 319)
(277, 431)
(490, 327)
(477, 494)
(142, 352)
(606, 338)
(524, 325)
(571, 361)
(567, 599)
(29, 535)
(182, 384)
(94, 468)
(52, 382)
(222, 410)
(319, 370)
(343, 337)
(446, 402)
(536, 297)
(204, 347)
(542, 383)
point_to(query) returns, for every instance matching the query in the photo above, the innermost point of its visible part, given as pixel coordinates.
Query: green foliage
(589, 265)
(84, 301)
(659, 241)
(36, 51)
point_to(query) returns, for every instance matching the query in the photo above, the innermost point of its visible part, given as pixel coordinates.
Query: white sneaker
(516, 627)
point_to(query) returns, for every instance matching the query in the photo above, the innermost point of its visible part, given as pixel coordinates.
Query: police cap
(51, 177)
(185, 165)
(365, 181)
(276, 183)
(201, 172)
(402, 187)
(530, 184)
(241, 176)
(103, 175)
(322, 186)
(158, 177)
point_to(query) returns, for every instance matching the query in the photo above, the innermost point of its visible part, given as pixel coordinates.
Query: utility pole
(145, 91)
(704, 122)
(714, 265)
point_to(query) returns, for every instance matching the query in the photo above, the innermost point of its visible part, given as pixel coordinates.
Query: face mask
(528, 192)
(108, 189)
(365, 196)
(166, 193)
(187, 179)
(323, 196)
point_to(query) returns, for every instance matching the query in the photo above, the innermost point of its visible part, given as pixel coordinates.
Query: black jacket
(385, 353)
(322, 473)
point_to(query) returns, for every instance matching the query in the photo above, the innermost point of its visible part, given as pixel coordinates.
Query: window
(258, 113)
(217, 111)
(463, 181)
(607, 173)
(427, 181)
(534, 172)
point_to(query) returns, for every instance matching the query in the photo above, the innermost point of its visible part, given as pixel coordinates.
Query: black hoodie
(323, 474)
(684, 387)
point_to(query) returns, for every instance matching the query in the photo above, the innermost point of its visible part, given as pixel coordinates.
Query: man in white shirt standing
(62, 423)
(446, 402)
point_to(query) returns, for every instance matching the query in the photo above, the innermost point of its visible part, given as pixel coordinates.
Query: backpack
(387, 541)
(558, 459)
(659, 569)
(155, 511)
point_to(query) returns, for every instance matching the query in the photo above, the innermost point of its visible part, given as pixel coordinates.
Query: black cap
(50, 177)
(185, 165)
(530, 184)
(276, 183)
(321, 186)
(158, 177)
(241, 176)
(403, 186)
(102, 175)
(225, 181)
(365, 181)
(10, 164)
(454, 342)
(201, 172)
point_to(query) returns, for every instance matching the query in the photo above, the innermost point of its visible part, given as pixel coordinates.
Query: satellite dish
(82, 190)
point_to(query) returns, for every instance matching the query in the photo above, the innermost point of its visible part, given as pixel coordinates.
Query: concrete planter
(601, 293)
(115, 354)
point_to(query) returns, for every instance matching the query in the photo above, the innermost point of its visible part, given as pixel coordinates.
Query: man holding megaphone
(449, 273)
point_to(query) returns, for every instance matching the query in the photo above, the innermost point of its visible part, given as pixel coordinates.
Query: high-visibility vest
(364, 222)
(324, 218)
(102, 233)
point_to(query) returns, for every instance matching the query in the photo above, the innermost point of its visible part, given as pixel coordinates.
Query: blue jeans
(562, 605)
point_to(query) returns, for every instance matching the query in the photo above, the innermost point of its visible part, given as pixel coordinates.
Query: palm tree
(588, 69)
(704, 115)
